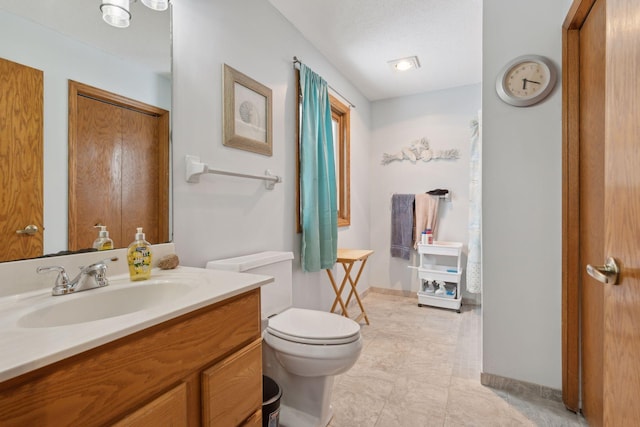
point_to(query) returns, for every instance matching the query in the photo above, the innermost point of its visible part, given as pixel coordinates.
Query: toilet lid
(313, 327)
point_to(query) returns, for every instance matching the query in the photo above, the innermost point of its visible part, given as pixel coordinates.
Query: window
(340, 118)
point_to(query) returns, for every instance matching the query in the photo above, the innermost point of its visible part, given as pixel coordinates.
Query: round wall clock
(526, 80)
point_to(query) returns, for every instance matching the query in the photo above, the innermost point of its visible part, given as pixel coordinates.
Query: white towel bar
(194, 168)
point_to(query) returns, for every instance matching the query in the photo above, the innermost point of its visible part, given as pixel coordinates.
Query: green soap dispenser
(139, 257)
(103, 242)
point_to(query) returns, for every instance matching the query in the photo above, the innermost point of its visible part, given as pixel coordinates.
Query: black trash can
(271, 394)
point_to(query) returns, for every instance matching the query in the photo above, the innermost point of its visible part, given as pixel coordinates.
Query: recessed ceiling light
(404, 64)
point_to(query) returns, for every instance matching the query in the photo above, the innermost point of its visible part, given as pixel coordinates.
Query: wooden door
(140, 190)
(21, 160)
(118, 168)
(592, 134)
(622, 214)
(97, 177)
(602, 178)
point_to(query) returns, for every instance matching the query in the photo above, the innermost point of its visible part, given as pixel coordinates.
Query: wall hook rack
(194, 168)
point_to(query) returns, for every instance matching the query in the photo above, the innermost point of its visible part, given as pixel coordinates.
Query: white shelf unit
(428, 272)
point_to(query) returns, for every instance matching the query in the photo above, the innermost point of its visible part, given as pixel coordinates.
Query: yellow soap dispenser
(139, 257)
(103, 242)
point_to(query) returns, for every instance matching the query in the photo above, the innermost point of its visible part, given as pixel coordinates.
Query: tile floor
(420, 366)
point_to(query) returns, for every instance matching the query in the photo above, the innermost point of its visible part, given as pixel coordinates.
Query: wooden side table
(348, 257)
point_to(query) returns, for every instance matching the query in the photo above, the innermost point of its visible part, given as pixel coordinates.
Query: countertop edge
(113, 332)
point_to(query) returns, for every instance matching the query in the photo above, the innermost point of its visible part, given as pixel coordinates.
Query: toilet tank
(276, 296)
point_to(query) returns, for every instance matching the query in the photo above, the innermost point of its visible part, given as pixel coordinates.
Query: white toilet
(303, 349)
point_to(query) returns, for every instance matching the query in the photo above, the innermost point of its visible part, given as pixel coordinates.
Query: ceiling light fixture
(404, 64)
(159, 5)
(116, 12)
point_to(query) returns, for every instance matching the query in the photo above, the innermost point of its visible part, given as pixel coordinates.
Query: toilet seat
(313, 327)
(308, 360)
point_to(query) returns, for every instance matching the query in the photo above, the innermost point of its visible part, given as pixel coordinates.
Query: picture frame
(246, 113)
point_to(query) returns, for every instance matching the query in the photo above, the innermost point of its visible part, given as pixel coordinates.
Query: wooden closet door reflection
(118, 168)
(98, 173)
(140, 176)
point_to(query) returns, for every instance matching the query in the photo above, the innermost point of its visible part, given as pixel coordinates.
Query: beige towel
(426, 215)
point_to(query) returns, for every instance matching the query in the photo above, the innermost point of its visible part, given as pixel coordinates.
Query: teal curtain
(318, 205)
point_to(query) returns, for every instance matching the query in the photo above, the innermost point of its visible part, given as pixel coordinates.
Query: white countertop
(28, 348)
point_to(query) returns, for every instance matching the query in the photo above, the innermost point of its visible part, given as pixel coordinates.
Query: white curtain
(474, 260)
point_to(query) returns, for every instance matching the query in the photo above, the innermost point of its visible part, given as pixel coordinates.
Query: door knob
(607, 274)
(29, 229)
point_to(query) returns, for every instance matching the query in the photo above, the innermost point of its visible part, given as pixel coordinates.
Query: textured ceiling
(146, 40)
(359, 37)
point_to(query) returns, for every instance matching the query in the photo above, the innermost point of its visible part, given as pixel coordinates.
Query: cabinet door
(254, 420)
(232, 388)
(170, 409)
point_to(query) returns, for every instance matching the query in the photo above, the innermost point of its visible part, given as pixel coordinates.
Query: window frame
(341, 113)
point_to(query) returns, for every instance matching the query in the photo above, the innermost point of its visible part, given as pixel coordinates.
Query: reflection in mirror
(69, 41)
(121, 147)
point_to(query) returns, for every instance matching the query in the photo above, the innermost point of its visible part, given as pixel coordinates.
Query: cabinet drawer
(232, 388)
(170, 409)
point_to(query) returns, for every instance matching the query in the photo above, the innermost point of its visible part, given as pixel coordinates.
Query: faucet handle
(62, 280)
(98, 271)
(98, 266)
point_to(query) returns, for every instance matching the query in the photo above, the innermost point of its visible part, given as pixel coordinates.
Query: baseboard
(396, 292)
(470, 301)
(412, 294)
(353, 304)
(520, 387)
(353, 301)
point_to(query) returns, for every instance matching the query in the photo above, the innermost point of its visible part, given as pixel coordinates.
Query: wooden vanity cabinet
(170, 409)
(202, 368)
(232, 388)
(255, 420)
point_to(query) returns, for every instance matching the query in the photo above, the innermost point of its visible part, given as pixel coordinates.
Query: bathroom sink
(109, 302)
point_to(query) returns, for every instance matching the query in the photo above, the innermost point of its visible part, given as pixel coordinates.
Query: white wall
(61, 59)
(522, 200)
(444, 118)
(224, 216)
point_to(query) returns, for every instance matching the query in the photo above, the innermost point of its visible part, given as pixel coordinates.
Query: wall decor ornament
(246, 113)
(420, 150)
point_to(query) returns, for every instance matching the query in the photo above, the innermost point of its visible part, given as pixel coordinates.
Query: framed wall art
(246, 113)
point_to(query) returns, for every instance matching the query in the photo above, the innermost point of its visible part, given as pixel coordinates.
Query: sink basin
(112, 301)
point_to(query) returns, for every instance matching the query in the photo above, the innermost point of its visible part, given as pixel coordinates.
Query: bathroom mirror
(68, 40)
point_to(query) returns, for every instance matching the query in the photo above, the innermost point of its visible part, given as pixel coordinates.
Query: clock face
(526, 80)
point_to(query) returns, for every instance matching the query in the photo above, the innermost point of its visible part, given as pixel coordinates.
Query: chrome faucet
(90, 277)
